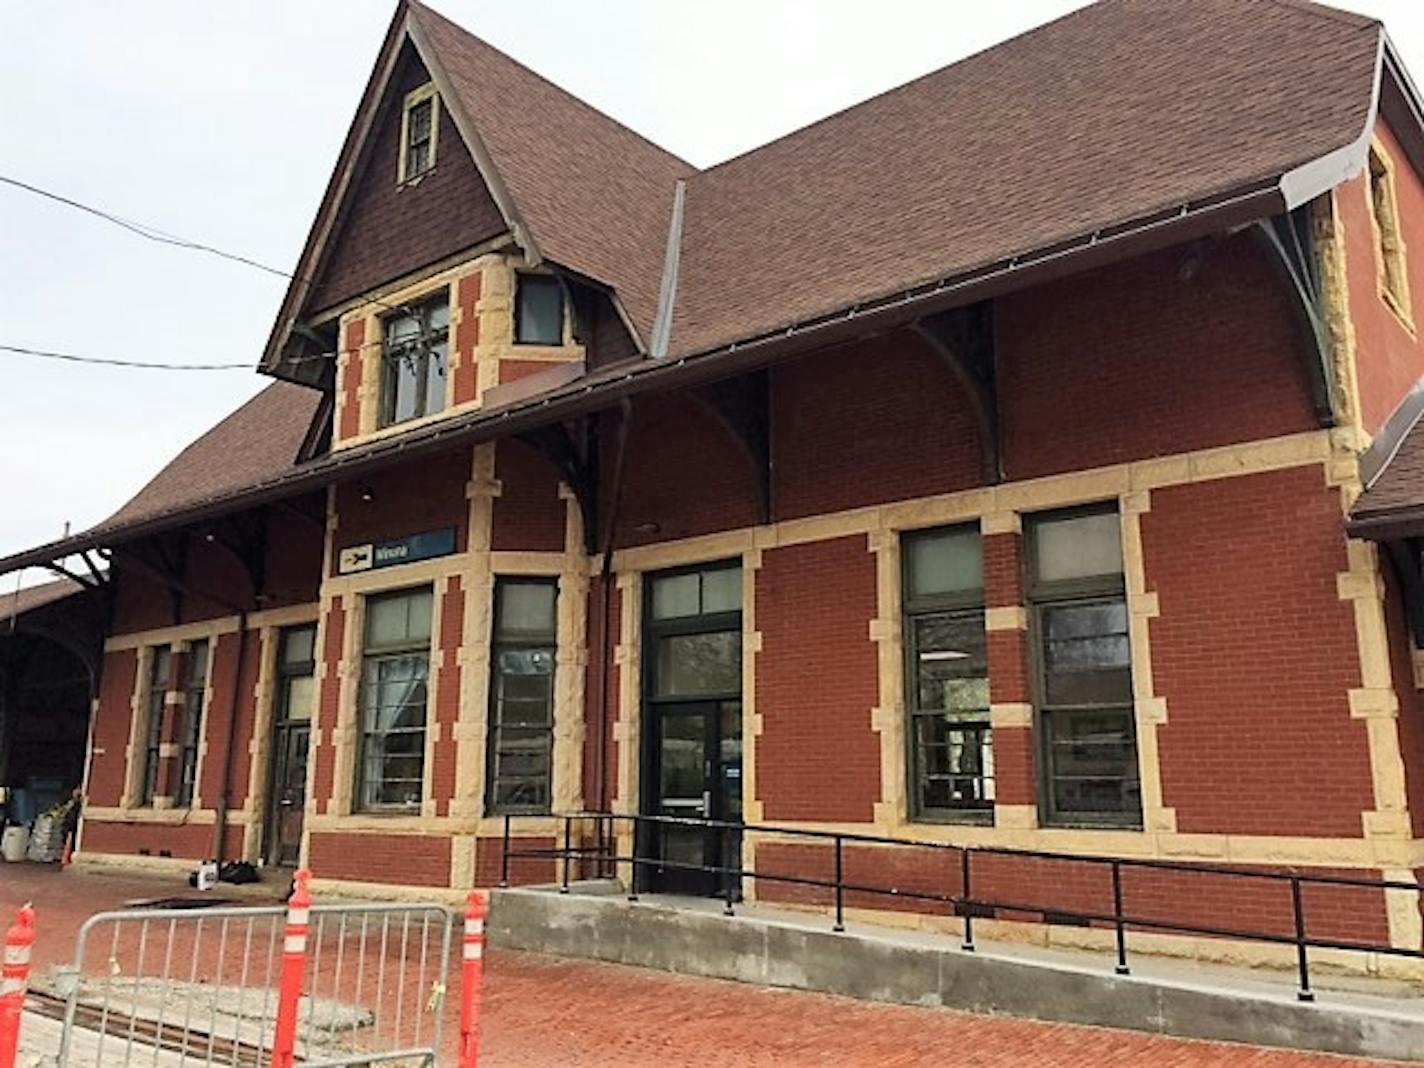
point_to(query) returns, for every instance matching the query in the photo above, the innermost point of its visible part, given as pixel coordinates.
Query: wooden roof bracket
(742, 407)
(572, 448)
(1289, 244)
(963, 339)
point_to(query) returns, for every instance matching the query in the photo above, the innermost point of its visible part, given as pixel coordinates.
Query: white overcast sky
(221, 122)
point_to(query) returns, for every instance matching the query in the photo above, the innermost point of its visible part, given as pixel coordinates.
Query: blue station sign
(407, 550)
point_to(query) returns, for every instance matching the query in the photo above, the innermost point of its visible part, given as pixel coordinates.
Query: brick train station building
(1020, 458)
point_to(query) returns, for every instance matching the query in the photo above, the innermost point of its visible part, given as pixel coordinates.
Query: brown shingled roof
(16, 604)
(595, 196)
(257, 442)
(1110, 113)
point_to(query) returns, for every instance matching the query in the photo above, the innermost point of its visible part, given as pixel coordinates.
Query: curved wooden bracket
(573, 450)
(963, 339)
(1290, 245)
(742, 407)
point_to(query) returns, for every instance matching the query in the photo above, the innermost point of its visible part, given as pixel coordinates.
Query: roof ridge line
(1334, 14)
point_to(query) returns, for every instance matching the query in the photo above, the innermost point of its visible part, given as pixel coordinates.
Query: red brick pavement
(544, 1012)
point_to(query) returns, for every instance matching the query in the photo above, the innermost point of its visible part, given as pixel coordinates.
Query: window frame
(156, 699)
(1391, 261)
(501, 641)
(386, 652)
(195, 692)
(553, 280)
(1046, 595)
(413, 100)
(419, 308)
(912, 608)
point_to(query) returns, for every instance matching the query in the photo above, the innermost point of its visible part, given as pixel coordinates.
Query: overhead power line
(152, 233)
(151, 365)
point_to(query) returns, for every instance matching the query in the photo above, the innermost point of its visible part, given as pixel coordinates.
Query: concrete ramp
(780, 948)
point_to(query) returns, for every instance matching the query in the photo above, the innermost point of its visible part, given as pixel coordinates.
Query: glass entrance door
(291, 739)
(693, 710)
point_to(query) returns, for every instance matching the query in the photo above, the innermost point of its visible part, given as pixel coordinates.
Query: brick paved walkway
(543, 1012)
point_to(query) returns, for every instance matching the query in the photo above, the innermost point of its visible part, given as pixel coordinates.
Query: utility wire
(152, 233)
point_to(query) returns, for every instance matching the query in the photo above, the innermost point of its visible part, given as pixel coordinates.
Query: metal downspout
(606, 606)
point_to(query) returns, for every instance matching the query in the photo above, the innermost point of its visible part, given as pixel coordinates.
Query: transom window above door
(695, 626)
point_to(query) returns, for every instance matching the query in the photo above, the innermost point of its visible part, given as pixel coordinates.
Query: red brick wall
(684, 474)
(193, 841)
(1024, 888)
(1015, 780)
(817, 680)
(605, 673)
(523, 871)
(418, 497)
(879, 421)
(141, 602)
(294, 551)
(407, 859)
(111, 728)
(1129, 361)
(529, 515)
(221, 679)
(328, 704)
(514, 370)
(447, 693)
(1255, 652)
(1388, 359)
(354, 346)
(467, 337)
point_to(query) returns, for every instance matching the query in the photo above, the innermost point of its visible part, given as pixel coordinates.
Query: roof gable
(386, 230)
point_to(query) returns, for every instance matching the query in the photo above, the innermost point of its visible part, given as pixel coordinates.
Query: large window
(947, 689)
(395, 667)
(1083, 668)
(522, 696)
(195, 689)
(539, 310)
(159, 665)
(414, 360)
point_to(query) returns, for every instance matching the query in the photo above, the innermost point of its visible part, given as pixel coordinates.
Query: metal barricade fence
(185, 987)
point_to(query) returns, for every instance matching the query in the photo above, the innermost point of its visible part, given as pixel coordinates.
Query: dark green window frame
(949, 751)
(194, 692)
(414, 362)
(160, 668)
(1079, 728)
(411, 654)
(530, 289)
(523, 669)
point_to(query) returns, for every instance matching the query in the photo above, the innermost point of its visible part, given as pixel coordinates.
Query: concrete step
(782, 948)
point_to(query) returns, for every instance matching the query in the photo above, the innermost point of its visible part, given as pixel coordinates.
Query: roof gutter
(603, 389)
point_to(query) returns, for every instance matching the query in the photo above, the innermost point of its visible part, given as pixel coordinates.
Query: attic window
(1384, 208)
(539, 310)
(420, 127)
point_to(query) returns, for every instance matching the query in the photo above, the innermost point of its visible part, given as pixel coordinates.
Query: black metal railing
(601, 858)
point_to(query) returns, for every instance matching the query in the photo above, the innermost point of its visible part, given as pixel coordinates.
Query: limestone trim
(1011, 714)
(627, 727)
(1006, 617)
(887, 718)
(472, 717)
(753, 722)
(1329, 230)
(1258, 850)
(1149, 709)
(171, 817)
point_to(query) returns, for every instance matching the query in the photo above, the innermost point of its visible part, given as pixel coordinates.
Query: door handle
(707, 804)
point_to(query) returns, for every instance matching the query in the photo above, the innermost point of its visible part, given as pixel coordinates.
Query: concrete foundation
(781, 949)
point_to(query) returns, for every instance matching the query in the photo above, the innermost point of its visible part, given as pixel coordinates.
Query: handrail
(965, 904)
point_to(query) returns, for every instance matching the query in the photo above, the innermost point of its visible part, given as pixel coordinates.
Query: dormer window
(539, 310)
(420, 127)
(414, 360)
